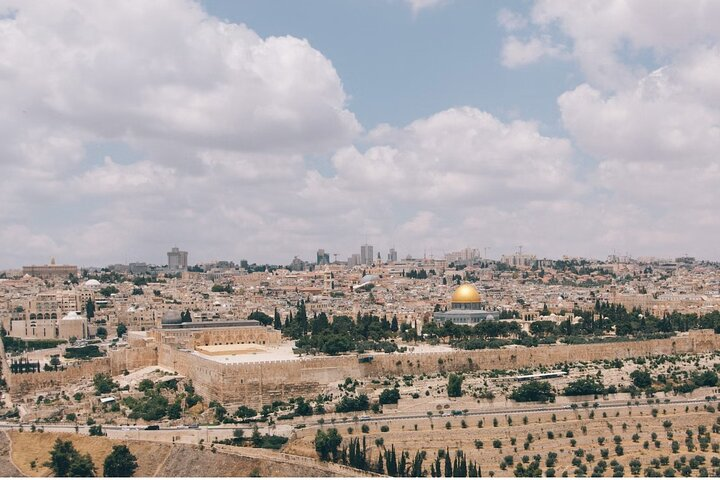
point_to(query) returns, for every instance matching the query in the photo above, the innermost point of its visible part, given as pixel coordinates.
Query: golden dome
(465, 293)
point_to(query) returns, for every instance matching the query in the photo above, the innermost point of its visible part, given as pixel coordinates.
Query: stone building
(466, 308)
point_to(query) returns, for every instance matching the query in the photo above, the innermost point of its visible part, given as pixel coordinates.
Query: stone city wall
(255, 384)
(115, 363)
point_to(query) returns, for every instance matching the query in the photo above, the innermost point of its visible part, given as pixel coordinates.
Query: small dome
(368, 279)
(92, 283)
(465, 293)
(171, 317)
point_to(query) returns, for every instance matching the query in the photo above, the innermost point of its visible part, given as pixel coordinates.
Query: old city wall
(513, 358)
(115, 363)
(256, 384)
(260, 383)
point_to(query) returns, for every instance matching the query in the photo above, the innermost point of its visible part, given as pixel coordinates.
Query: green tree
(121, 329)
(90, 309)
(454, 388)
(120, 462)
(277, 323)
(174, 411)
(96, 431)
(103, 383)
(389, 396)
(245, 412)
(66, 461)
(303, 408)
(533, 392)
(327, 443)
(82, 466)
(641, 378)
(102, 332)
(584, 386)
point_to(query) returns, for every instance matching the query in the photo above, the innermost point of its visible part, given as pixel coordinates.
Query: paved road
(188, 434)
(504, 411)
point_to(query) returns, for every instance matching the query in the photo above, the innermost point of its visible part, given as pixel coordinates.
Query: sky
(267, 129)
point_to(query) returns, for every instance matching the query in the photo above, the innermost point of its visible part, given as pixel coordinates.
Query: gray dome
(368, 279)
(171, 317)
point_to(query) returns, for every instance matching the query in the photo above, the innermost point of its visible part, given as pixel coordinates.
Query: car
(152, 427)
(193, 425)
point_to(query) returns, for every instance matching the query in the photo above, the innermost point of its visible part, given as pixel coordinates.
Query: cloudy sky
(265, 129)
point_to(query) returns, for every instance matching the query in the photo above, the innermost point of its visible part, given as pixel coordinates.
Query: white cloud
(457, 176)
(511, 21)
(517, 53)
(220, 117)
(656, 147)
(601, 34)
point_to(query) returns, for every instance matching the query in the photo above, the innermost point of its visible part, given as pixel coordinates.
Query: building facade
(466, 308)
(177, 259)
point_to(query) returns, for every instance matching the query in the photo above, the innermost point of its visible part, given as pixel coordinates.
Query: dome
(171, 317)
(368, 279)
(92, 283)
(465, 293)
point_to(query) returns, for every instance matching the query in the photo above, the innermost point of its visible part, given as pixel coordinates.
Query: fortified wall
(259, 383)
(115, 363)
(256, 384)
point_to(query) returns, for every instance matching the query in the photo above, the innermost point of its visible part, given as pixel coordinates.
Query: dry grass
(431, 436)
(28, 447)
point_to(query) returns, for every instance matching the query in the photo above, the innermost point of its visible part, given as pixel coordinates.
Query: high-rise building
(392, 256)
(322, 257)
(177, 259)
(519, 260)
(353, 260)
(366, 254)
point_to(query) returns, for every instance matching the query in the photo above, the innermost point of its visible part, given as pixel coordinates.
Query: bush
(389, 396)
(533, 392)
(641, 378)
(103, 383)
(454, 388)
(120, 462)
(353, 404)
(584, 386)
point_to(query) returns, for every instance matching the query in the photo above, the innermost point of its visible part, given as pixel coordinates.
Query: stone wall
(260, 383)
(256, 384)
(115, 363)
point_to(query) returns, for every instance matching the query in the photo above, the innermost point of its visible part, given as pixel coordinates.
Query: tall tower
(366, 254)
(177, 259)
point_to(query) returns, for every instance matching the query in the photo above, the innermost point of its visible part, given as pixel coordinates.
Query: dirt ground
(154, 459)
(432, 435)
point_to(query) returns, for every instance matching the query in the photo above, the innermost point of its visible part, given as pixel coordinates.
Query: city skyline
(178, 260)
(243, 134)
